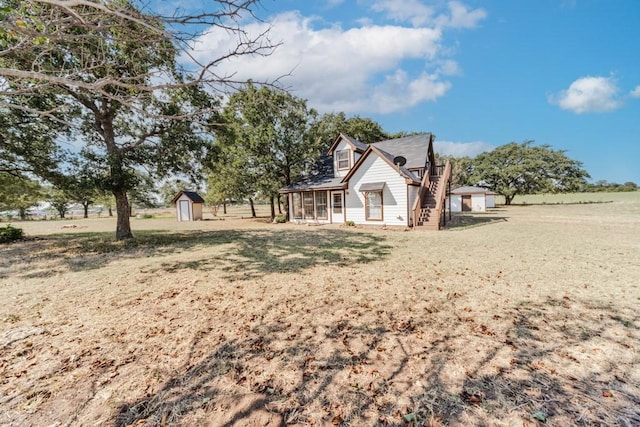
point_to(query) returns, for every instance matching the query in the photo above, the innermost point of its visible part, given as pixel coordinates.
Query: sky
(476, 73)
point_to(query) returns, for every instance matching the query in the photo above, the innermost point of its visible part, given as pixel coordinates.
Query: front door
(337, 207)
(184, 211)
(466, 203)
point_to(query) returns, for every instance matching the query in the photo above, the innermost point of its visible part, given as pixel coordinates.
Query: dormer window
(342, 157)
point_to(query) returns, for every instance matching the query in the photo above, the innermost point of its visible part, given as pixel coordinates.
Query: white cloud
(462, 149)
(589, 95)
(419, 14)
(636, 92)
(373, 68)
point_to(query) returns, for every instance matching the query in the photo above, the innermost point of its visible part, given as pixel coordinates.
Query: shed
(188, 206)
(472, 199)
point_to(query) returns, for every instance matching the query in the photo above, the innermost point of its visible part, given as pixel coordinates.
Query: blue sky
(478, 74)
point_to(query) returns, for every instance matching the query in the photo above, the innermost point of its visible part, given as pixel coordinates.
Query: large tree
(523, 168)
(267, 143)
(108, 73)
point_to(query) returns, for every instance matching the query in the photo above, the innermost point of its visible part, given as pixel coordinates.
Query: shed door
(184, 211)
(466, 203)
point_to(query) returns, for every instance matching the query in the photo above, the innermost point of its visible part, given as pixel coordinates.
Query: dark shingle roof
(321, 182)
(413, 148)
(192, 195)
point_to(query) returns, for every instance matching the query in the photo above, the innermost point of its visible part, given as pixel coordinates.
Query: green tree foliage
(265, 145)
(107, 74)
(603, 185)
(18, 192)
(522, 168)
(366, 130)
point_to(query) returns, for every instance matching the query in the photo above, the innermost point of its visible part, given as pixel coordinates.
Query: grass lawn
(521, 316)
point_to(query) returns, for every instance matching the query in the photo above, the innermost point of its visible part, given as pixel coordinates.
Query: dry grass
(521, 314)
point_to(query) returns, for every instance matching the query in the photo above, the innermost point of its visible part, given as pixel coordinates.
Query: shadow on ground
(238, 253)
(406, 371)
(468, 220)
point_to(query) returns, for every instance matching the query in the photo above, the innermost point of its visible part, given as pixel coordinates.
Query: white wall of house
(478, 203)
(456, 203)
(394, 196)
(342, 146)
(490, 201)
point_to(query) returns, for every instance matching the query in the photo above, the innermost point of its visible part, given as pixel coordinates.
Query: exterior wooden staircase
(430, 205)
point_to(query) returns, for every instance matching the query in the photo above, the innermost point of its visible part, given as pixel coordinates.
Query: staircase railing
(441, 192)
(417, 205)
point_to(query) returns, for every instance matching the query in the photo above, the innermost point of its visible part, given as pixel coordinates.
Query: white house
(188, 206)
(472, 199)
(393, 182)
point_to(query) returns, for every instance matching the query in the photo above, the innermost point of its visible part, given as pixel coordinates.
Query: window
(297, 205)
(342, 158)
(307, 205)
(337, 203)
(321, 205)
(373, 205)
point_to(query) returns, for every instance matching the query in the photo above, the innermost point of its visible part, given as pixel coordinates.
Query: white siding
(477, 203)
(342, 146)
(456, 203)
(394, 195)
(490, 201)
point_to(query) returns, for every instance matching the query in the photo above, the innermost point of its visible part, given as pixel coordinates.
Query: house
(394, 182)
(472, 199)
(188, 206)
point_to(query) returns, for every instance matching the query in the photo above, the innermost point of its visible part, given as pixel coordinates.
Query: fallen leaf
(540, 416)
(411, 417)
(607, 393)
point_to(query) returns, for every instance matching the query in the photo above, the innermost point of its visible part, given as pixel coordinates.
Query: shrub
(350, 224)
(10, 234)
(281, 219)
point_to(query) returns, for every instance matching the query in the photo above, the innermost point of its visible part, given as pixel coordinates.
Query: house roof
(354, 143)
(387, 157)
(321, 182)
(413, 148)
(472, 190)
(192, 195)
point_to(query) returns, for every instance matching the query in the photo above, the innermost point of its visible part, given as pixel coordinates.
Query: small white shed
(472, 199)
(188, 206)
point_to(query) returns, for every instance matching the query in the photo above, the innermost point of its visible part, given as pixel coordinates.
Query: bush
(281, 219)
(10, 234)
(350, 224)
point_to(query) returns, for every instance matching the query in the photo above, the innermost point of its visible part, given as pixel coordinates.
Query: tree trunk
(23, 213)
(508, 199)
(110, 211)
(224, 207)
(273, 208)
(279, 205)
(86, 209)
(253, 208)
(123, 224)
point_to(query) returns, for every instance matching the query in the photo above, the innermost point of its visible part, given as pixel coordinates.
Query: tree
(267, 142)
(515, 169)
(363, 129)
(60, 200)
(19, 192)
(108, 74)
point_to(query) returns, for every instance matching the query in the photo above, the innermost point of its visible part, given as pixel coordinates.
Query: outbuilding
(188, 206)
(472, 199)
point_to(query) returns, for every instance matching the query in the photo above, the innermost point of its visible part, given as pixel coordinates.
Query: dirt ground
(522, 316)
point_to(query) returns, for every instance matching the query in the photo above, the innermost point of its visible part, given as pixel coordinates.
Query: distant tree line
(603, 185)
